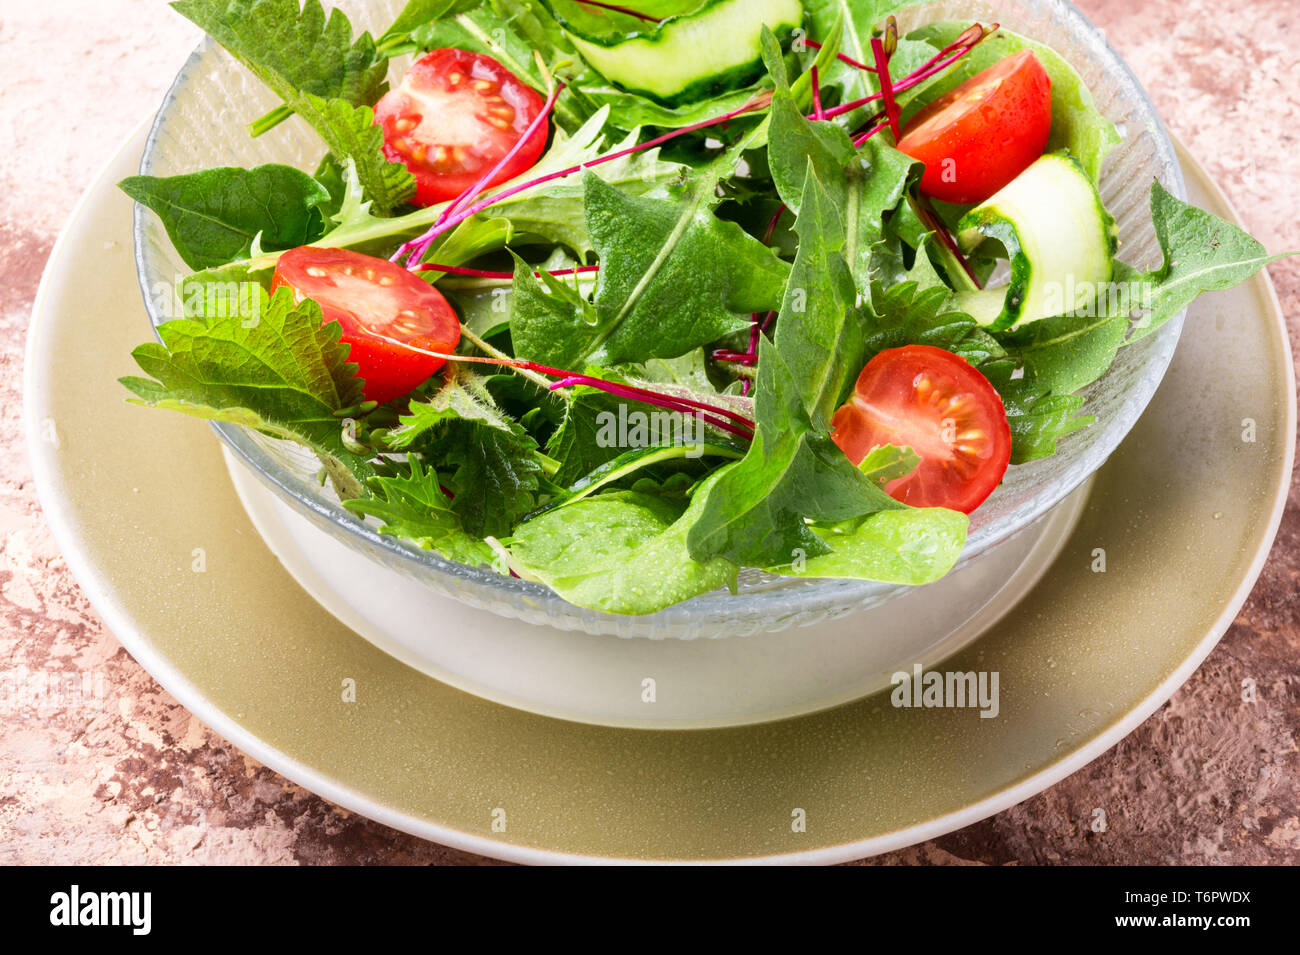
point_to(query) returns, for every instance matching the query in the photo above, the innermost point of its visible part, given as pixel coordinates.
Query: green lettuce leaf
(912, 547)
(622, 552)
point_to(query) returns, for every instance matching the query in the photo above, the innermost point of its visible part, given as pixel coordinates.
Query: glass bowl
(202, 123)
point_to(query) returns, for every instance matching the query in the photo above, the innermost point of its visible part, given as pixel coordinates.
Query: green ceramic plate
(1185, 511)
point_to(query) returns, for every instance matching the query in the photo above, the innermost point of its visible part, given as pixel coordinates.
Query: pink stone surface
(132, 777)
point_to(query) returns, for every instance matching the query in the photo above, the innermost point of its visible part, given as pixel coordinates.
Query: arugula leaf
(320, 73)
(911, 547)
(818, 333)
(1077, 124)
(754, 515)
(284, 374)
(1063, 355)
(413, 506)
(1202, 253)
(623, 552)
(213, 216)
(673, 276)
(864, 184)
(797, 144)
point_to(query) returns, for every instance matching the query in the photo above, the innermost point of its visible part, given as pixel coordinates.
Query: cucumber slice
(1059, 237)
(698, 49)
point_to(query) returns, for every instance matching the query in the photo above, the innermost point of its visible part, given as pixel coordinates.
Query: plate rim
(117, 620)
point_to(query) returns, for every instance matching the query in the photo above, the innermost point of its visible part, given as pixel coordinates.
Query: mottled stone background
(1208, 779)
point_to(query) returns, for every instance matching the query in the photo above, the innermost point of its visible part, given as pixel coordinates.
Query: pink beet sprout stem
(624, 10)
(759, 102)
(886, 84)
(724, 419)
(414, 251)
(814, 45)
(481, 274)
(936, 64)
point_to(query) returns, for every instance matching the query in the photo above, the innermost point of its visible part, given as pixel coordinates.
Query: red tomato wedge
(977, 138)
(454, 116)
(937, 404)
(383, 309)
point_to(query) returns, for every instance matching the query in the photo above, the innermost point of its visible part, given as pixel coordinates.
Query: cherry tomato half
(937, 404)
(382, 307)
(977, 138)
(454, 116)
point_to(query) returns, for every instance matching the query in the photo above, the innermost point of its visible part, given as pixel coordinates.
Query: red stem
(813, 44)
(818, 112)
(886, 84)
(936, 64)
(931, 218)
(713, 414)
(420, 247)
(667, 402)
(481, 274)
(762, 101)
(614, 9)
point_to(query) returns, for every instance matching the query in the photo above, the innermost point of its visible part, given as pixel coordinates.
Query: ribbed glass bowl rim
(803, 597)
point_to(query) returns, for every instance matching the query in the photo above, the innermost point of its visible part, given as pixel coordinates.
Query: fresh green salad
(624, 298)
